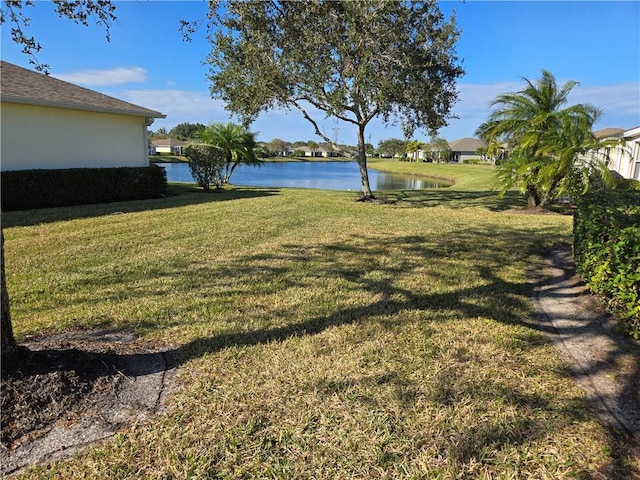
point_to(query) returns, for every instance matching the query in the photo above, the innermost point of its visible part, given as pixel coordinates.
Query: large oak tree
(350, 60)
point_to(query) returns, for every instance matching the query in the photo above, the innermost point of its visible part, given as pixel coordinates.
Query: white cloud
(178, 105)
(108, 77)
(621, 103)
(473, 107)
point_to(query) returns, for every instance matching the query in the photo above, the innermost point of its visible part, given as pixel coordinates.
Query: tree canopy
(392, 146)
(186, 130)
(353, 61)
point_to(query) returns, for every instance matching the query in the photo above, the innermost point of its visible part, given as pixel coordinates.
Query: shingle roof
(466, 144)
(167, 142)
(608, 132)
(19, 85)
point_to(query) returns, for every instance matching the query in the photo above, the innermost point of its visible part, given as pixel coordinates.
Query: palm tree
(440, 149)
(237, 143)
(547, 143)
(411, 148)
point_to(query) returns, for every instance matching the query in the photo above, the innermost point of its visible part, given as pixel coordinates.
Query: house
(48, 123)
(310, 152)
(465, 149)
(328, 152)
(624, 157)
(168, 145)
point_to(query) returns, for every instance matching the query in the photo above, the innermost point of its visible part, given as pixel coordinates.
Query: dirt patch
(66, 391)
(553, 210)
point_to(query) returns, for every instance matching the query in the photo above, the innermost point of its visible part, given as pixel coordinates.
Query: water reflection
(319, 175)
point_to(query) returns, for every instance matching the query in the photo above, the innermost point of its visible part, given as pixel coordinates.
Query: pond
(319, 175)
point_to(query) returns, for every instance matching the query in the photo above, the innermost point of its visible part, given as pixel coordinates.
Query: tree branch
(325, 108)
(315, 125)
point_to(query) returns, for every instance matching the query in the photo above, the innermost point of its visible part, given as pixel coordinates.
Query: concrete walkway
(604, 361)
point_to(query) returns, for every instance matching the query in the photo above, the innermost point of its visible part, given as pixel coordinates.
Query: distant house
(429, 153)
(168, 145)
(322, 151)
(328, 152)
(465, 149)
(310, 152)
(47, 123)
(624, 157)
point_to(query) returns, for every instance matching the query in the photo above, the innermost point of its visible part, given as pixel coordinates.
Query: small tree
(392, 146)
(237, 143)
(440, 149)
(411, 149)
(370, 149)
(206, 164)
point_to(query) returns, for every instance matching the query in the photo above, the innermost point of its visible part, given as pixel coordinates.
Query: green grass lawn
(466, 177)
(317, 337)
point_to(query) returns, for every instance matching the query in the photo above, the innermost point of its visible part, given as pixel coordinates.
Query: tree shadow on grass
(178, 195)
(451, 198)
(389, 258)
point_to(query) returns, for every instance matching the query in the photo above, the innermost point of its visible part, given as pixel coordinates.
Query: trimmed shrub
(205, 164)
(28, 189)
(607, 251)
(628, 184)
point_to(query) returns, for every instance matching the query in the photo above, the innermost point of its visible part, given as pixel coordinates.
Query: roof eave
(86, 108)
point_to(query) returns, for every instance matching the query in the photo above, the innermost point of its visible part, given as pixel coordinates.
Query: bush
(28, 189)
(628, 184)
(205, 164)
(607, 251)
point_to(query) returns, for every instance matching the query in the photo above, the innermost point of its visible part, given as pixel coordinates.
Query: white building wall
(630, 158)
(34, 137)
(624, 157)
(163, 149)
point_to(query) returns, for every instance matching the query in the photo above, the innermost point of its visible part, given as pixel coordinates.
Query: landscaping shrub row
(607, 251)
(28, 189)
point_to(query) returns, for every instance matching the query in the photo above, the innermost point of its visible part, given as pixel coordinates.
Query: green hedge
(28, 189)
(607, 251)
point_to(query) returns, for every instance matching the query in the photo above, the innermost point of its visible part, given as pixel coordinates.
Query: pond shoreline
(314, 177)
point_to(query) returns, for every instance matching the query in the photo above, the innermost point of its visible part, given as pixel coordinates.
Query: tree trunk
(534, 199)
(9, 345)
(361, 158)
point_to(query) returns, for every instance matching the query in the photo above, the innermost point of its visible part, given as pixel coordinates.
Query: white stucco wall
(624, 158)
(630, 161)
(34, 137)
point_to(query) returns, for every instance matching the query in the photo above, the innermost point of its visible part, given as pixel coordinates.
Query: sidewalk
(604, 362)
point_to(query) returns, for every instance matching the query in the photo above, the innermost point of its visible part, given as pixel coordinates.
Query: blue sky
(148, 63)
